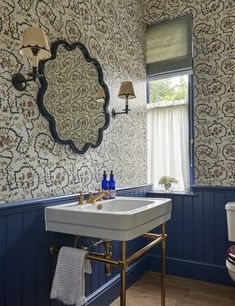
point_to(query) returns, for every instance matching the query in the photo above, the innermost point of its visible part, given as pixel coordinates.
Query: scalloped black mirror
(73, 96)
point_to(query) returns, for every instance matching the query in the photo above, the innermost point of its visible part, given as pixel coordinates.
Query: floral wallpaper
(214, 83)
(32, 164)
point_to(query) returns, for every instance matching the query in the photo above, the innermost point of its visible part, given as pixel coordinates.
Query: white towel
(69, 283)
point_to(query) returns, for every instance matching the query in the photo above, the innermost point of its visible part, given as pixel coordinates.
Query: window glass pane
(168, 90)
(168, 131)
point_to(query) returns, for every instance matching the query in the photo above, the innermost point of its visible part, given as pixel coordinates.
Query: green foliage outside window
(169, 89)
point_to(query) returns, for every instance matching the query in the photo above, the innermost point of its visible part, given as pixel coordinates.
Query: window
(169, 94)
(168, 131)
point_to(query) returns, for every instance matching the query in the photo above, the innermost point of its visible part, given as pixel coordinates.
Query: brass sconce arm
(20, 82)
(125, 111)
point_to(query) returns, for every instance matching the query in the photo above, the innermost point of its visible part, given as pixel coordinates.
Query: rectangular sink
(118, 219)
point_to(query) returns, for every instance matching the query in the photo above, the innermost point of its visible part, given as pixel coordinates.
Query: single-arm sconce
(126, 92)
(34, 45)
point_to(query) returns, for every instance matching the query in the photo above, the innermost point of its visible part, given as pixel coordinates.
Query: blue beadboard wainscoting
(196, 242)
(27, 268)
(197, 235)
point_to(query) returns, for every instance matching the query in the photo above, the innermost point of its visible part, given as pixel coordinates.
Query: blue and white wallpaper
(214, 83)
(32, 164)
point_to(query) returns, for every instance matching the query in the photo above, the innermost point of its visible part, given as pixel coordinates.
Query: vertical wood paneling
(13, 277)
(220, 227)
(197, 232)
(230, 195)
(198, 228)
(29, 253)
(188, 227)
(95, 273)
(102, 277)
(43, 260)
(170, 239)
(209, 229)
(89, 283)
(178, 226)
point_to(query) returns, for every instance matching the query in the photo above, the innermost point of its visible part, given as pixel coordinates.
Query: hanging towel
(69, 283)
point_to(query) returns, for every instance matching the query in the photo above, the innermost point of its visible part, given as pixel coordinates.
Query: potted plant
(167, 181)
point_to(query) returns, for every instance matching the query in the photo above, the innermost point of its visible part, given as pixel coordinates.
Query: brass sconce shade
(100, 95)
(34, 46)
(126, 92)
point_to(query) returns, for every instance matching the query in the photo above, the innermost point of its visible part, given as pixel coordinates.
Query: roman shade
(169, 47)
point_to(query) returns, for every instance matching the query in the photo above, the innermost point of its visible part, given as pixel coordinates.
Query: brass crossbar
(124, 262)
(142, 251)
(101, 257)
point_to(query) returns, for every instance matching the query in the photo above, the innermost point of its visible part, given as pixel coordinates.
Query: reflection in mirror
(73, 96)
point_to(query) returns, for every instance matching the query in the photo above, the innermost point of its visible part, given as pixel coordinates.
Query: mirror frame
(42, 90)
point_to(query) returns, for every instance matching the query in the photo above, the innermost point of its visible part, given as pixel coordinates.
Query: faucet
(92, 199)
(81, 198)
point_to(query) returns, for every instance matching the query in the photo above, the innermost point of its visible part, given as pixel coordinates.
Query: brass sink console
(123, 262)
(141, 209)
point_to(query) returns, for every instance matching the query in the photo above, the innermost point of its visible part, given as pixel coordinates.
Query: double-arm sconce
(126, 92)
(34, 46)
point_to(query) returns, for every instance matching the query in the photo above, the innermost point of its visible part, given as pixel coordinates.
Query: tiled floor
(179, 292)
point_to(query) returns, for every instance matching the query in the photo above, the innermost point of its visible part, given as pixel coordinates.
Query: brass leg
(163, 293)
(123, 276)
(108, 255)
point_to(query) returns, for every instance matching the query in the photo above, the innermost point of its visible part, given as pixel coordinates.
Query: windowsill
(162, 192)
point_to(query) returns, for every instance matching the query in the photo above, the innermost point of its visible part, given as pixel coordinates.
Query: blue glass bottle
(112, 189)
(105, 184)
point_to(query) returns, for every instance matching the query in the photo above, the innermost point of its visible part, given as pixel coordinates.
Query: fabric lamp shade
(35, 44)
(126, 90)
(100, 95)
(169, 46)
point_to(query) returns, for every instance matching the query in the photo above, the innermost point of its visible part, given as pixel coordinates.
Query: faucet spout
(92, 199)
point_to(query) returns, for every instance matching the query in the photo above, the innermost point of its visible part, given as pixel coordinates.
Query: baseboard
(191, 269)
(106, 294)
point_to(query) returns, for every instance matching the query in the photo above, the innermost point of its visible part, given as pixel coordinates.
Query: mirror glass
(73, 96)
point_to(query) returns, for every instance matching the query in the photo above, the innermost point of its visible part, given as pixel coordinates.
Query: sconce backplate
(19, 82)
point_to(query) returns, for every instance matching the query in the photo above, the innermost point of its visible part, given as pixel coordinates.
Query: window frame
(190, 116)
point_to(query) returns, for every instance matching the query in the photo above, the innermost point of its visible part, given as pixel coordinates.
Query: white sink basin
(119, 219)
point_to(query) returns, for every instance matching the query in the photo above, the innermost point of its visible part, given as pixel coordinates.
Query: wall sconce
(126, 92)
(34, 45)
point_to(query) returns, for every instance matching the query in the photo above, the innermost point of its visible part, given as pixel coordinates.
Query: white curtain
(168, 147)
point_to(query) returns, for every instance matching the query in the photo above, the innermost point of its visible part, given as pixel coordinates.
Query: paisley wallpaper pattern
(32, 164)
(214, 83)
